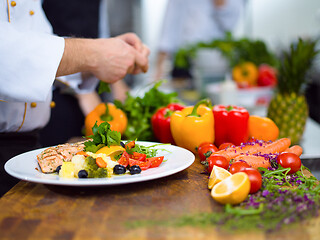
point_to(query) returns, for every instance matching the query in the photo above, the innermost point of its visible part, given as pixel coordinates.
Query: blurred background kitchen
(276, 23)
(266, 27)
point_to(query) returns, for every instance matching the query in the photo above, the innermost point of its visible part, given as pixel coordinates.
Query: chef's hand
(133, 40)
(108, 59)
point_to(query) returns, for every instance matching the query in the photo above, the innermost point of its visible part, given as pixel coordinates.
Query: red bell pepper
(231, 124)
(161, 122)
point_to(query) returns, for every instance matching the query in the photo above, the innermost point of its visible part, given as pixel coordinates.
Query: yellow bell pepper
(245, 74)
(106, 112)
(193, 125)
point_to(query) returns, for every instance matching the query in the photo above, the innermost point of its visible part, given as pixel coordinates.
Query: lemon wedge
(217, 175)
(111, 151)
(232, 190)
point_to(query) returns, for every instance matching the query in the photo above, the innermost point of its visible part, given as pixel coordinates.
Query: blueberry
(119, 169)
(135, 169)
(58, 168)
(82, 174)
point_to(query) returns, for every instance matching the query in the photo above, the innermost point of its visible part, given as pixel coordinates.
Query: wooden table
(36, 211)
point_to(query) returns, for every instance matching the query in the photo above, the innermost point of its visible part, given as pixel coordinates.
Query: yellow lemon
(232, 190)
(111, 151)
(217, 175)
(67, 170)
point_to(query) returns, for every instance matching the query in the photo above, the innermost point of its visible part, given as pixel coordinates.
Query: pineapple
(288, 107)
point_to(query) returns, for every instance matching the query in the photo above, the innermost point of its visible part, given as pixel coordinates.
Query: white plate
(25, 167)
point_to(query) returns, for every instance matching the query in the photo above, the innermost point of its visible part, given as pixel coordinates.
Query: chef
(187, 22)
(31, 58)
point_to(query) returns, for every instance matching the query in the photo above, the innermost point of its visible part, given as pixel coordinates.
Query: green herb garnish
(102, 136)
(150, 151)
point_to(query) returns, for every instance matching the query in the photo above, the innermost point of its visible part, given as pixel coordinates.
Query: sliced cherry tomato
(138, 156)
(155, 161)
(204, 149)
(124, 159)
(142, 164)
(217, 160)
(225, 145)
(255, 179)
(238, 167)
(289, 160)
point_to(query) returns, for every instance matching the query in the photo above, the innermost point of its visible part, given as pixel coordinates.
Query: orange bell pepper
(106, 112)
(263, 128)
(193, 125)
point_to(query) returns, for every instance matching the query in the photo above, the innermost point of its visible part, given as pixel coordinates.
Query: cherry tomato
(289, 160)
(225, 145)
(204, 144)
(238, 167)
(202, 150)
(155, 161)
(255, 179)
(142, 164)
(217, 160)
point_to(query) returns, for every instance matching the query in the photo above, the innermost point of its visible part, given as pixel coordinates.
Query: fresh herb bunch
(235, 51)
(139, 111)
(102, 136)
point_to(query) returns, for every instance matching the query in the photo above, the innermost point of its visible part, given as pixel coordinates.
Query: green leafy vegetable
(102, 136)
(139, 111)
(150, 151)
(235, 51)
(103, 87)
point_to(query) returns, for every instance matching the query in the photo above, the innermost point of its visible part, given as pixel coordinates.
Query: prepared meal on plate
(103, 155)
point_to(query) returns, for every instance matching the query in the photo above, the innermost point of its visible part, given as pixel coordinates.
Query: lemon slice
(111, 151)
(233, 189)
(217, 175)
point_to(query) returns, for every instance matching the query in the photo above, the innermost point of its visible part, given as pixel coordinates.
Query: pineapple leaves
(295, 65)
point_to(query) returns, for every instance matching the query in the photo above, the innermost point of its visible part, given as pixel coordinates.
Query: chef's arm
(108, 59)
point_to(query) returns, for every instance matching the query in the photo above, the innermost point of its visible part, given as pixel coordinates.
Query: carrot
(254, 161)
(276, 146)
(100, 162)
(296, 149)
(82, 153)
(232, 152)
(258, 160)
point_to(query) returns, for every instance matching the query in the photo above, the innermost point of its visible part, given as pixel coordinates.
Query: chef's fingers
(133, 40)
(141, 61)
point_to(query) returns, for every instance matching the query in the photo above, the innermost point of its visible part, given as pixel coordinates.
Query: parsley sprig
(102, 136)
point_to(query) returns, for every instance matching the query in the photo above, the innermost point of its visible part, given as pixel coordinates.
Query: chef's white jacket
(29, 58)
(188, 21)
